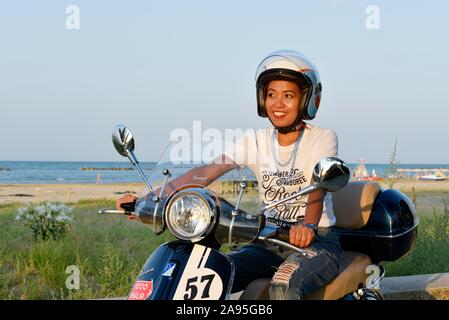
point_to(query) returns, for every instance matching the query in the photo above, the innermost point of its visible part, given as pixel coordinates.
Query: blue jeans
(294, 277)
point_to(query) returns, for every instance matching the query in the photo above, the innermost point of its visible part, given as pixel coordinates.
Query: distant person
(288, 94)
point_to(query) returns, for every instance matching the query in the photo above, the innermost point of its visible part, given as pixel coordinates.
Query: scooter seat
(352, 273)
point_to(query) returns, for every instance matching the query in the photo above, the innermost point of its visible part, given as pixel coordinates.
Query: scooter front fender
(181, 270)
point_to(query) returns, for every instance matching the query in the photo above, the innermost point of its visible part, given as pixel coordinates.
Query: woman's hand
(301, 236)
(124, 199)
(127, 198)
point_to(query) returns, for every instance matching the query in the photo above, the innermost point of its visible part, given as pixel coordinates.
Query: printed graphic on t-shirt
(276, 181)
(277, 185)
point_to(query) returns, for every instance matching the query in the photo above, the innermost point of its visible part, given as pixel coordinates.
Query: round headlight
(189, 216)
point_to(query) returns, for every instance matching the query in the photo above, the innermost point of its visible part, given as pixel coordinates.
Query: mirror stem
(135, 163)
(235, 212)
(306, 190)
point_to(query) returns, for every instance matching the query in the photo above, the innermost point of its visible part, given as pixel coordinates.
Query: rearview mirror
(123, 140)
(331, 174)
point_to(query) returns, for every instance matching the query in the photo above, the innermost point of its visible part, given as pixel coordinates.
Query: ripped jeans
(295, 277)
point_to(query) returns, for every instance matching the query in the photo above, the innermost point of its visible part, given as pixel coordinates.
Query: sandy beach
(74, 192)
(65, 192)
(420, 185)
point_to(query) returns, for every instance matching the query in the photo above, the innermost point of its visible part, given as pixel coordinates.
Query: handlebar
(283, 235)
(128, 207)
(102, 211)
(281, 238)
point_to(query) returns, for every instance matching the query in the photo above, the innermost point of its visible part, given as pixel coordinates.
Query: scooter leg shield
(181, 270)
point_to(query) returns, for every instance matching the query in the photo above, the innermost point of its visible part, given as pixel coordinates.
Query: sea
(61, 172)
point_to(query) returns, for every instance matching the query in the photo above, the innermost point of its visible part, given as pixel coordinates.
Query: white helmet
(291, 66)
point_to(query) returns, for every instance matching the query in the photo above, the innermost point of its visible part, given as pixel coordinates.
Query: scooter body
(375, 225)
(182, 270)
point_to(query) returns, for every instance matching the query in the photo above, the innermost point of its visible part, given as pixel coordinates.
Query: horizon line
(127, 161)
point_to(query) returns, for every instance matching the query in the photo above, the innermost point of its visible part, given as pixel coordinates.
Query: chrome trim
(284, 244)
(379, 235)
(331, 174)
(123, 141)
(201, 193)
(135, 163)
(306, 190)
(268, 231)
(102, 211)
(167, 175)
(235, 212)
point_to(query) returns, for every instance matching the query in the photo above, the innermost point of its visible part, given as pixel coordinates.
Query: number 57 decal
(198, 282)
(193, 287)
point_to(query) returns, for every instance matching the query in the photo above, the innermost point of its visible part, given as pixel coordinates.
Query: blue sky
(158, 66)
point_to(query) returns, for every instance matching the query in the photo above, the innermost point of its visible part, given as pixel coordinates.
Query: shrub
(46, 221)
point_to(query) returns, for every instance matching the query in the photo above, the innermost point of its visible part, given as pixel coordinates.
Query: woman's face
(282, 102)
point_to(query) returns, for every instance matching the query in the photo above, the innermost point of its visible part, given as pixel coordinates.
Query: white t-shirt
(277, 178)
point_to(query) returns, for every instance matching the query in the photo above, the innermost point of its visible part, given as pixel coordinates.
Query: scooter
(375, 225)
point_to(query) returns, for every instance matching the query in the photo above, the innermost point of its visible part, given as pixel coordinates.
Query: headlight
(189, 216)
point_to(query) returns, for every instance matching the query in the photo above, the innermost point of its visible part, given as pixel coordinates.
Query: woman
(283, 158)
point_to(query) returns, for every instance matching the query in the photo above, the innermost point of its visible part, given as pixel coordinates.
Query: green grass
(427, 201)
(431, 251)
(108, 250)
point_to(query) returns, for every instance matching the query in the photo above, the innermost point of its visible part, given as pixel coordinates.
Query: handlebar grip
(129, 206)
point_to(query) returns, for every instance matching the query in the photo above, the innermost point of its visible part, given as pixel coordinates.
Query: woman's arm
(326, 146)
(300, 235)
(314, 208)
(204, 175)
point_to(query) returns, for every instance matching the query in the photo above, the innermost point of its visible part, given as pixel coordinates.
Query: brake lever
(269, 234)
(285, 245)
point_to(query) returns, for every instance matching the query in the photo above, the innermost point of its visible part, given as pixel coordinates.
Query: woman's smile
(282, 102)
(279, 114)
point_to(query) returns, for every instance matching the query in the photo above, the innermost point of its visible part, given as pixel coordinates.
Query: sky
(158, 66)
